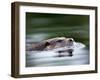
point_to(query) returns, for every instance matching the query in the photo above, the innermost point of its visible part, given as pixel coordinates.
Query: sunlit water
(52, 58)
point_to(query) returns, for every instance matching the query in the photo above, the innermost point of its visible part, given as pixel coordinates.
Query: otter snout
(70, 42)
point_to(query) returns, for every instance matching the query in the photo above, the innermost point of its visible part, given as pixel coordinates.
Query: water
(43, 26)
(51, 58)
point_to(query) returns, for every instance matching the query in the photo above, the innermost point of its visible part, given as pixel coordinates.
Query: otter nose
(70, 40)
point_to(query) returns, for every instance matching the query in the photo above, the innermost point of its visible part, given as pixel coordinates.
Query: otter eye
(59, 40)
(47, 44)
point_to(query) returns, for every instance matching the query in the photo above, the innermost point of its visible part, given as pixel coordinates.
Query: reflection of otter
(70, 51)
(54, 43)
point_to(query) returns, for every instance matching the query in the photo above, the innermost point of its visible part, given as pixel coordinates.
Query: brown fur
(53, 43)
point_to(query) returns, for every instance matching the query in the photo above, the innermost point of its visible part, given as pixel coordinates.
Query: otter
(52, 43)
(58, 42)
(55, 43)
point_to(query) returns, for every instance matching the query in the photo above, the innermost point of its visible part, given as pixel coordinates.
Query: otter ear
(47, 44)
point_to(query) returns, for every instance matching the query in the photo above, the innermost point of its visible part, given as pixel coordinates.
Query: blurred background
(42, 26)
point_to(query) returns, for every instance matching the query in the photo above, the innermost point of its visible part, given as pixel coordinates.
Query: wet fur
(50, 44)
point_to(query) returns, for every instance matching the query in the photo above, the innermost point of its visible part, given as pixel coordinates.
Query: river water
(51, 58)
(43, 26)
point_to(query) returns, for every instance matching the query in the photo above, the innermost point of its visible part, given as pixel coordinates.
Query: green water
(40, 26)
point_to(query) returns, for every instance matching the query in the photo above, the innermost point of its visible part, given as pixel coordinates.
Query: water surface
(43, 26)
(51, 57)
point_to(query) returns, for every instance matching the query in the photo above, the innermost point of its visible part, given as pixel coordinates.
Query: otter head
(59, 43)
(69, 41)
